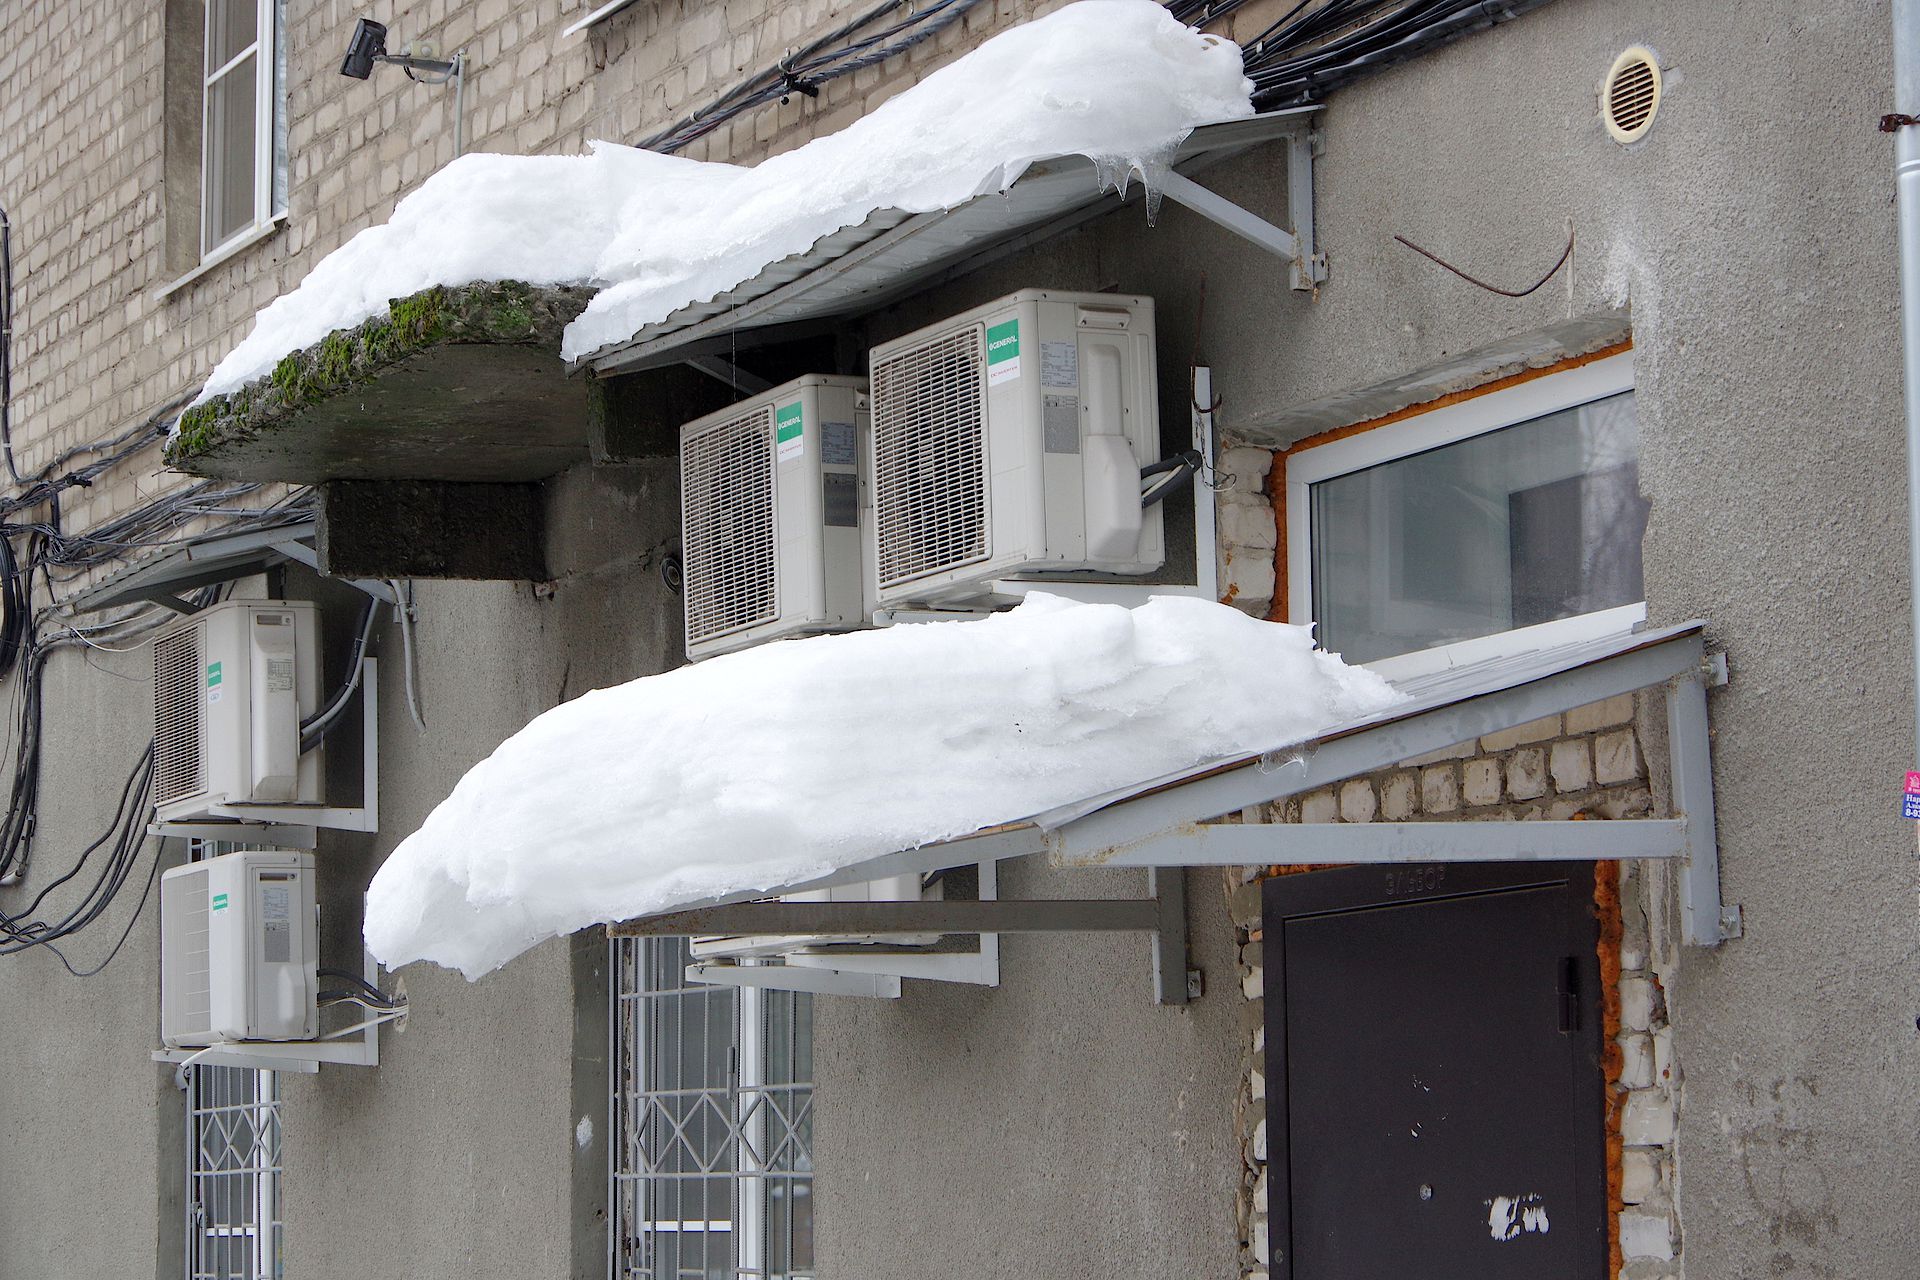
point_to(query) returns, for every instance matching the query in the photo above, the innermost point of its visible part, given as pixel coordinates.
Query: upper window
(239, 120)
(1435, 539)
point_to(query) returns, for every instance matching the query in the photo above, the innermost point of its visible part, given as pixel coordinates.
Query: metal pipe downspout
(1906, 143)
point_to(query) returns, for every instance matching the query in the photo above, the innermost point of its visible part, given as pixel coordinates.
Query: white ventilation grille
(176, 716)
(727, 526)
(1631, 95)
(930, 458)
(186, 978)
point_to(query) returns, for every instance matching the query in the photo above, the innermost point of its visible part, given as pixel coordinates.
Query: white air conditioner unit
(1008, 442)
(230, 687)
(238, 949)
(769, 516)
(902, 888)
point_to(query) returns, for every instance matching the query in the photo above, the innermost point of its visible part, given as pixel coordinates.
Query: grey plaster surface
(1060, 1125)
(1749, 239)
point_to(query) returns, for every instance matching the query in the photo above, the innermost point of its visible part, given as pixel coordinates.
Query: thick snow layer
(1119, 81)
(782, 763)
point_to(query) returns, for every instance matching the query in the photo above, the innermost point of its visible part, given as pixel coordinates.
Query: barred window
(712, 1158)
(233, 1176)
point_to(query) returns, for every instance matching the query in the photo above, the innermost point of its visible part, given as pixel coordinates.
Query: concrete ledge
(1463, 372)
(425, 529)
(461, 384)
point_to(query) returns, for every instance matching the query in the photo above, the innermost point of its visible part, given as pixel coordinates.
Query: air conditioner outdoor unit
(769, 516)
(1008, 442)
(230, 687)
(901, 888)
(238, 949)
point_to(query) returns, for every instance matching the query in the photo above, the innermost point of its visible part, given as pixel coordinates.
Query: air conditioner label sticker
(1060, 364)
(789, 431)
(836, 444)
(219, 902)
(1003, 352)
(276, 922)
(279, 675)
(1060, 422)
(213, 674)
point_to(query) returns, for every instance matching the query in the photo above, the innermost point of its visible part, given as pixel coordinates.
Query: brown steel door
(1434, 1083)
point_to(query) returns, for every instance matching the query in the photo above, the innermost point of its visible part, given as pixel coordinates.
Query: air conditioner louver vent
(176, 728)
(1631, 95)
(930, 461)
(727, 526)
(187, 979)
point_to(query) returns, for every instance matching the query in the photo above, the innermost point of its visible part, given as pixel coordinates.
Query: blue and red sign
(1910, 802)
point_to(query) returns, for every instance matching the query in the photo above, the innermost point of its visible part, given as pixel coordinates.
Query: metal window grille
(712, 1157)
(234, 1229)
(233, 1202)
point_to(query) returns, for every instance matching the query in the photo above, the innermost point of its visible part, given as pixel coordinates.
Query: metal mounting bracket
(1162, 914)
(1307, 267)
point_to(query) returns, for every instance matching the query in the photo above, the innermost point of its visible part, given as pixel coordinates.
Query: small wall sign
(1910, 801)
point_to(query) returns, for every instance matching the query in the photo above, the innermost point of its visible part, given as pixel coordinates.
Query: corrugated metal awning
(894, 253)
(1171, 821)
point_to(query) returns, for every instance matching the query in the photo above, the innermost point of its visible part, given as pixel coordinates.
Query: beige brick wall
(1586, 764)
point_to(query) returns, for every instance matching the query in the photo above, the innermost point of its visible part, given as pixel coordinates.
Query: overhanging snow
(1120, 82)
(767, 767)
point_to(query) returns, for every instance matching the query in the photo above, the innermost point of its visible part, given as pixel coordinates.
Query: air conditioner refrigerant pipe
(1906, 144)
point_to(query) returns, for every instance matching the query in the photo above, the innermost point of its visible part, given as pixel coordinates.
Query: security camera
(369, 44)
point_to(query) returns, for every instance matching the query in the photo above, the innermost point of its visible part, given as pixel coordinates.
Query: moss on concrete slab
(215, 437)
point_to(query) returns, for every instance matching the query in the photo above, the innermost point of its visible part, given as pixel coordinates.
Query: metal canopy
(220, 557)
(894, 253)
(1169, 822)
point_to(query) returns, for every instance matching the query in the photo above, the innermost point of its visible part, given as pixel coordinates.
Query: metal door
(1434, 1085)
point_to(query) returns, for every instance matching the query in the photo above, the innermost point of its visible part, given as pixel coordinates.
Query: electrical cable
(405, 610)
(314, 729)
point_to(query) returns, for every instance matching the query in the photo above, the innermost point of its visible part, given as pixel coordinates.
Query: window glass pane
(231, 26)
(1528, 524)
(229, 179)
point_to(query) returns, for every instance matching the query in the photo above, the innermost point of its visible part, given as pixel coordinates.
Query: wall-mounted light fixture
(369, 45)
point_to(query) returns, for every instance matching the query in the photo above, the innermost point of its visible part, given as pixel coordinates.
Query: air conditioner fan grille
(930, 458)
(728, 526)
(176, 715)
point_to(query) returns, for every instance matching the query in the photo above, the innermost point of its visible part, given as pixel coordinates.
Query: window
(1514, 518)
(241, 148)
(712, 1123)
(233, 1174)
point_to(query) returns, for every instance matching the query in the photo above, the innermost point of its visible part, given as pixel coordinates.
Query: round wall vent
(1631, 95)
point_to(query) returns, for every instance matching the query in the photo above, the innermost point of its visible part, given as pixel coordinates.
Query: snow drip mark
(1509, 1216)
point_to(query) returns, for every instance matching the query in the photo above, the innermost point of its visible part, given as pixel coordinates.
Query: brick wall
(85, 174)
(1587, 764)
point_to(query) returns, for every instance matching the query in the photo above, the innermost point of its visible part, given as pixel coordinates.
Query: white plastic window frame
(1449, 425)
(268, 191)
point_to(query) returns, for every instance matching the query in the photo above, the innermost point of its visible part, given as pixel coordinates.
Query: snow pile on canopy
(782, 763)
(1119, 81)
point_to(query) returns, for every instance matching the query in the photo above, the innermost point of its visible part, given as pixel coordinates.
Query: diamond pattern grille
(176, 715)
(930, 458)
(233, 1212)
(727, 526)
